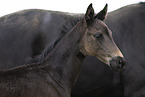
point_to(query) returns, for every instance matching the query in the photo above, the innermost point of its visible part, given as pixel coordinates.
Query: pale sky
(73, 6)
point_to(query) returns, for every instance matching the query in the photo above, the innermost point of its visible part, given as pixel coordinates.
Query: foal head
(98, 40)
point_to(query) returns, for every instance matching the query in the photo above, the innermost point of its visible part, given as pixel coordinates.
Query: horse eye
(98, 35)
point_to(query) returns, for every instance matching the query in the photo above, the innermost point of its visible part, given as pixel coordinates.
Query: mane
(65, 29)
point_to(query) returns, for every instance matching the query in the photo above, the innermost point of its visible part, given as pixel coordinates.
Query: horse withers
(57, 73)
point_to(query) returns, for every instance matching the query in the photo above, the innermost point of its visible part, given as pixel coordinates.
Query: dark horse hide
(56, 74)
(128, 27)
(25, 34)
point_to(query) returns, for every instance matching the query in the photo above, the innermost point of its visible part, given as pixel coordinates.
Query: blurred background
(73, 6)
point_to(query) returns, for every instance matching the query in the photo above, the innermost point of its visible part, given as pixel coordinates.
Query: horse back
(26, 33)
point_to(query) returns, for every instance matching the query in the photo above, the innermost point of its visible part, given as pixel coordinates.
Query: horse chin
(117, 69)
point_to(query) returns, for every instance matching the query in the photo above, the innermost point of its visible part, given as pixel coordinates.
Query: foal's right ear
(89, 16)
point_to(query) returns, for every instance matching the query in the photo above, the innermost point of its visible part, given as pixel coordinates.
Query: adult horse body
(57, 73)
(23, 32)
(131, 23)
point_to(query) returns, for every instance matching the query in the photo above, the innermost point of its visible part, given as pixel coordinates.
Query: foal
(57, 73)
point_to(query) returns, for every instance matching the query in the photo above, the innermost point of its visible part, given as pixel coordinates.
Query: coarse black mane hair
(65, 29)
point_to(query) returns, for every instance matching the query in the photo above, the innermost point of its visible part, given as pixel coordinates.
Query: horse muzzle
(117, 63)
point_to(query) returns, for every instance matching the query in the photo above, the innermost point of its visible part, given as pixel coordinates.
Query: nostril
(120, 61)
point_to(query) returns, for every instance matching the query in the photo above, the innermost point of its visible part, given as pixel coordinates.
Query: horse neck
(66, 59)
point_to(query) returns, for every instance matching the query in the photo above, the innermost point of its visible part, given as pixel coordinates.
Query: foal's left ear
(103, 13)
(89, 16)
